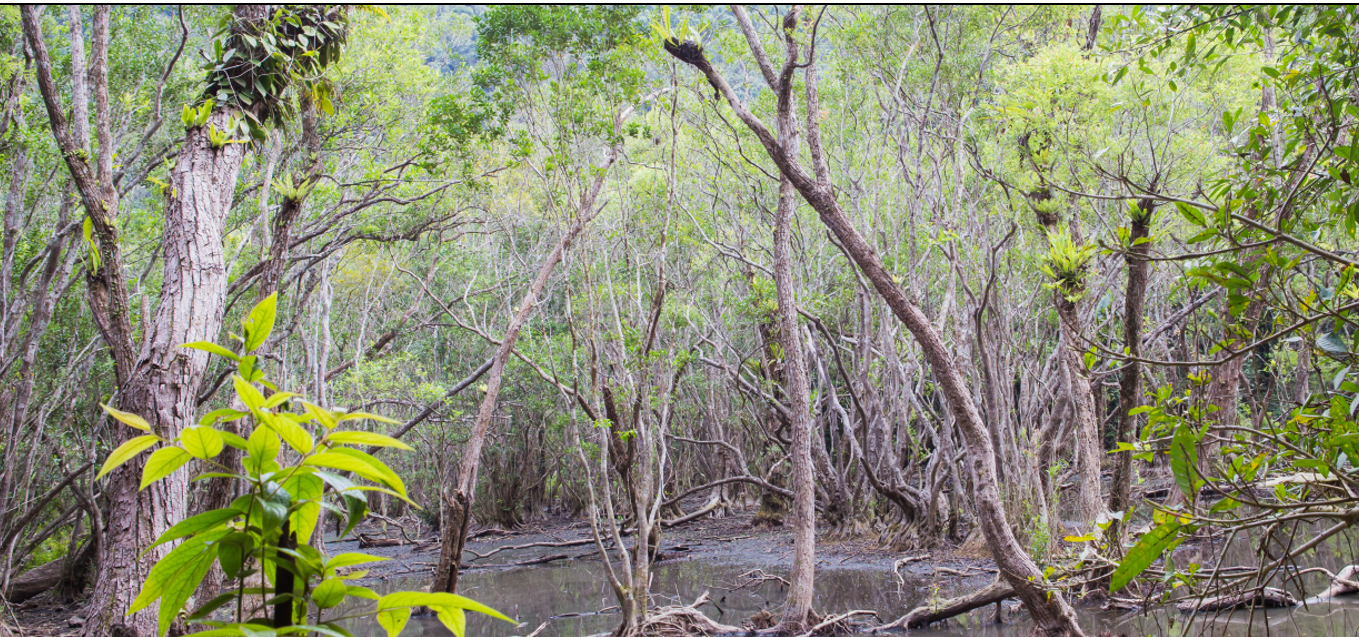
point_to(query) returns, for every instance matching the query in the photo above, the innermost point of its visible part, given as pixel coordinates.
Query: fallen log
(925, 615)
(1346, 582)
(368, 541)
(1264, 597)
(34, 582)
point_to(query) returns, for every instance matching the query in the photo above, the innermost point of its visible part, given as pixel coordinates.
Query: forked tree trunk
(1051, 614)
(1089, 441)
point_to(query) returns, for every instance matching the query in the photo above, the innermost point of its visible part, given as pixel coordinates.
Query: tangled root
(685, 621)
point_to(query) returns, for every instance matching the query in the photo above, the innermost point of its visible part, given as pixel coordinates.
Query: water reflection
(575, 596)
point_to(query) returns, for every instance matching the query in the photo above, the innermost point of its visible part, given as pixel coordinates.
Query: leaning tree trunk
(1047, 606)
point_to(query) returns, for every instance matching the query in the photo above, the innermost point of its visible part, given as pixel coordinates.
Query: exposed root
(685, 621)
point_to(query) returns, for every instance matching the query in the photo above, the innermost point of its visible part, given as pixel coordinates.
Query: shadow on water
(577, 600)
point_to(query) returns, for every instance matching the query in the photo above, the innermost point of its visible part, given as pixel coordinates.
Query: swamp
(679, 320)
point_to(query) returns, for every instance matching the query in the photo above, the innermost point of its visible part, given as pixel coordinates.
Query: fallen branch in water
(530, 545)
(836, 620)
(925, 615)
(1264, 597)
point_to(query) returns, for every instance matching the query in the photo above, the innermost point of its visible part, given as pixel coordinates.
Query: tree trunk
(1129, 396)
(1051, 614)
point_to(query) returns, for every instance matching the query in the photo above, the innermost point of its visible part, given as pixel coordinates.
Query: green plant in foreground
(267, 531)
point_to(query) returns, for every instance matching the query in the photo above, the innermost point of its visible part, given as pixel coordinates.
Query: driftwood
(1346, 582)
(1262, 597)
(925, 615)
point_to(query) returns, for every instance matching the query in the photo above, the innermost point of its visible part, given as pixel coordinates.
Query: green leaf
(132, 420)
(176, 576)
(249, 395)
(1192, 214)
(329, 593)
(394, 620)
(260, 322)
(335, 460)
(205, 521)
(213, 348)
(201, 442)
(358, 509)
(352, 559)
(437, 601)
(363, 415)
(306, 491)
(163, 462)
(263, 445)
(291, 432)
(278, 398)
(1184, 460)
(367, 438)
(455, 620)
(127, 451)
(232, 551)
(1148, 549)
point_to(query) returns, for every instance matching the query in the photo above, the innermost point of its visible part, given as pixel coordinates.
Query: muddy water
(574, 597)
(570, 595)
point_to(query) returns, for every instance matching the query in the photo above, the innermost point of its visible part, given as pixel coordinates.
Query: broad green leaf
(125, 452)
(260, 323)
(202, 522)
(1184, 460)
(362, 592)
(394, 620)
(437, 601)
(232, 551)
(132, 420)
(454, 619)
(358, 509)
(249, 395)
(278, 398)
(334, 460)
(233, 440)
(1148, 548)
(213, 348)
(367, 438)
(392, 481)
(201, 442)
(176, 576)
(306, 490)
(263, 445)
(329, 593)
(363, 415)
(320, 414)
(291, 432)
(352, 559)
(163, 463)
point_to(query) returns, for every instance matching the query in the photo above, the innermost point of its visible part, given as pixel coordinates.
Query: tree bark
(1129, 396)
(1051, 614)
